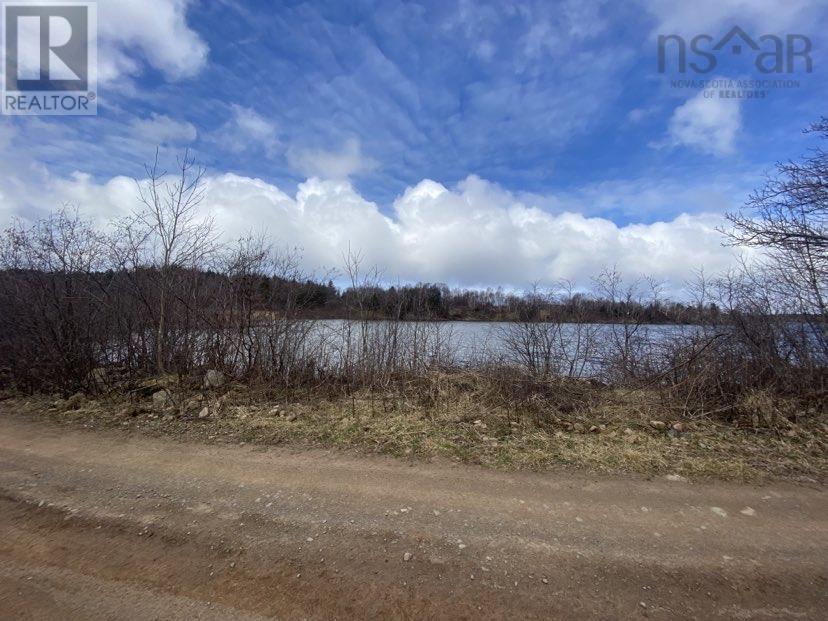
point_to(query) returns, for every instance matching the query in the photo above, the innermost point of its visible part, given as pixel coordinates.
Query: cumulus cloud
(341, 164)
(475, 234)
(709, 124)
(155, 31)
(482, 231)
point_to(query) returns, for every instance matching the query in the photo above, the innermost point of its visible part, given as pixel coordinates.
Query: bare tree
(788, 219)
(167, 234)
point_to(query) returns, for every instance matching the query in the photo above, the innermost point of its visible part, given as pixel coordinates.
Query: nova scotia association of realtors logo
(49, 58)
(770, 54)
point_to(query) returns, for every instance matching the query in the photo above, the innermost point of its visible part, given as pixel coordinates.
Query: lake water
(573, 349)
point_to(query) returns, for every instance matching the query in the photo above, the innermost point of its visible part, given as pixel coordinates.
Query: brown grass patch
(474, 419)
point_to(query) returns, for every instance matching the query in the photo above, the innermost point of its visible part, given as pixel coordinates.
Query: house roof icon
(733, 33)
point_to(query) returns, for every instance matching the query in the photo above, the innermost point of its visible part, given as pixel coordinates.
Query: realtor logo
(50, 53)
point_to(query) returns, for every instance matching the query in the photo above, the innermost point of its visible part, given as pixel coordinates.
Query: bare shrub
(382, 353)
(53, 302)
(756, 348)
(551, 337)
(628, 351)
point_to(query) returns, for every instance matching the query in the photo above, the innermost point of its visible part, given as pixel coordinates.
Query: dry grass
(472, 419)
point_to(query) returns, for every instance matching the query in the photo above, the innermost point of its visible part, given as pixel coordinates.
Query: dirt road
(101, 525)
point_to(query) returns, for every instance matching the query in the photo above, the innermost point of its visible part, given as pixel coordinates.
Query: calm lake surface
(470, 341)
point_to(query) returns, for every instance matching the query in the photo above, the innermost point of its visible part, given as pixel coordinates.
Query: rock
(748, 511)
(407, 556)
(204, 413)
(676, 478)
(578, 428)
(161, 399)
(214, 379)
(544, 580)
(594, 429)
(627, 431)
(660, 425)
(679, 427)
(719, 511)
(75, 401)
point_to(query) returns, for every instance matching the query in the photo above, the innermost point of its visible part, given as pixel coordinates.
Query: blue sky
(554, 107)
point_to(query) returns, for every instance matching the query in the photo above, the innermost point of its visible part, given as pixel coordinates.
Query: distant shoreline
(596, 321)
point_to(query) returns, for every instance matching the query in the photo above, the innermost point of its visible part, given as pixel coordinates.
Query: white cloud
(247, 127)
(707, 124)
(476, 234)
(342, 164)
(483, 233)
(159, 129)
(155, 31)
